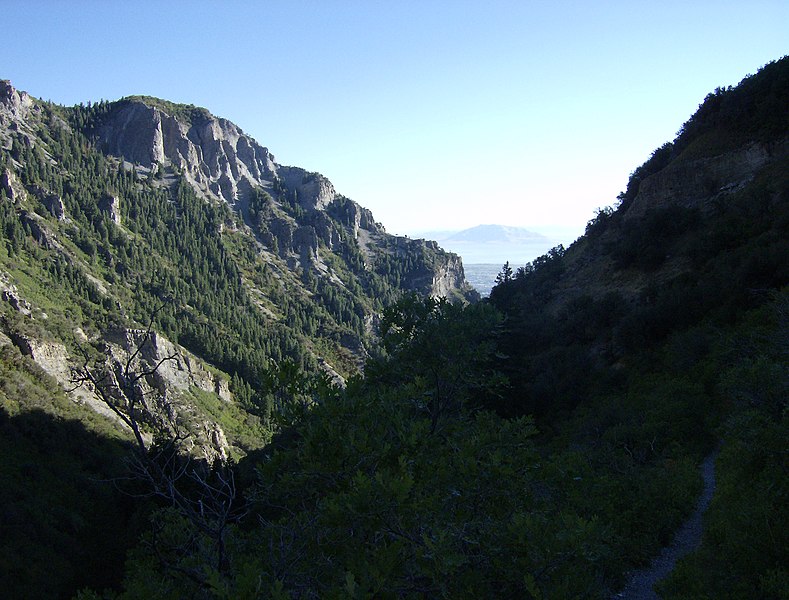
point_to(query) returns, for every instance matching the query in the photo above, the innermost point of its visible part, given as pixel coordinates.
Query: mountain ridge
(494, 244)
(484, 233)
(140, 207)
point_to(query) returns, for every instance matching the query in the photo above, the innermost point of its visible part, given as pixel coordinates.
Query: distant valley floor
(482, 276)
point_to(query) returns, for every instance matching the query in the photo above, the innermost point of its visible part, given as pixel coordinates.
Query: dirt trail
(688, 537)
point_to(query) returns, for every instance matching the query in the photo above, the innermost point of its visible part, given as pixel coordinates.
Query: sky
(435, 115)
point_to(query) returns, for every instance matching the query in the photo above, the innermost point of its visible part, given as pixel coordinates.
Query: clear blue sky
(435, 115)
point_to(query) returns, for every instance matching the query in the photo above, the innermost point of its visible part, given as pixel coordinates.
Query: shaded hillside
(64, 524)
(664, 328)
(700, 236)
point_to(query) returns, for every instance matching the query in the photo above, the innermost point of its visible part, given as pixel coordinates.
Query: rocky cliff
(706, 181)
(212, 154)
(220, 161)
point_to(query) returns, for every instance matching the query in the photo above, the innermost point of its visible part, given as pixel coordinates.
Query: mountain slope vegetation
(247, 301)
(541, 444)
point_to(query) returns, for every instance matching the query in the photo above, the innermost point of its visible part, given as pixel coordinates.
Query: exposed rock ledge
(701, 183)
(166, 384)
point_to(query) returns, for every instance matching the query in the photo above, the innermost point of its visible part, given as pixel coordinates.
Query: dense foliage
(381, 492)
(745, 545)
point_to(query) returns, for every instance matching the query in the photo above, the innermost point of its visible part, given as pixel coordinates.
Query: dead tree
(204, 495)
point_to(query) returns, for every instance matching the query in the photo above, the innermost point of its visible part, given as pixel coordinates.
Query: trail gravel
(641, 583)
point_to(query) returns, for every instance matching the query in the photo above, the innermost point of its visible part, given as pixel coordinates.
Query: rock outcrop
(170, 369)
(14, 105)
(313, 191)
(213, 154)
(53, 203)
(224, 163)
(13, 189)
(15, 109)
(704, 182)
(449, 277)
(110, 205)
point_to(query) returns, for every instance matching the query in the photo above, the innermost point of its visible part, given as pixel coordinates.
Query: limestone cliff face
(14, 190)
(704, 182)
(172, 371)
(443, 277)
(213, 154)
(15, 107)
(224, 163)
(450, 277)
(313, 190)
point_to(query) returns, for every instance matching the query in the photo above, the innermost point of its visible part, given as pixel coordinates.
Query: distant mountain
(484, 234)
(497, 234)
(494, 244)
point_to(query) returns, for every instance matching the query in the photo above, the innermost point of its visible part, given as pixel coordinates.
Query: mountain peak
(214, 155)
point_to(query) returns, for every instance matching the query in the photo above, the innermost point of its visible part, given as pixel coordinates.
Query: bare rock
(15, 108)
(704, 182)
(52, 202)
(313, 190)
(12, 102)
(9, 293)
(38, 229)
(449, 277)
(111, 205)
(13, 189)
(305, 240)
(213, 154)
(19, 304)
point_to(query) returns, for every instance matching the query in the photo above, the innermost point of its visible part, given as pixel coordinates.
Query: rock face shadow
(64, 524)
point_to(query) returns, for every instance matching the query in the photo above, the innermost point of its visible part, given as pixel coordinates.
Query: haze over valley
(485, 248)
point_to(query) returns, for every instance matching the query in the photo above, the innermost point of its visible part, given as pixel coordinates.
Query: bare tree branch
(204, 495)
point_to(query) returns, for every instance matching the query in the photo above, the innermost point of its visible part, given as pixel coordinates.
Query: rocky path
(641, 583)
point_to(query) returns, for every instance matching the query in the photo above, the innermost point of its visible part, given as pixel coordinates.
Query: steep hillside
(662, 333)
(700, 234)
(117, 212)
